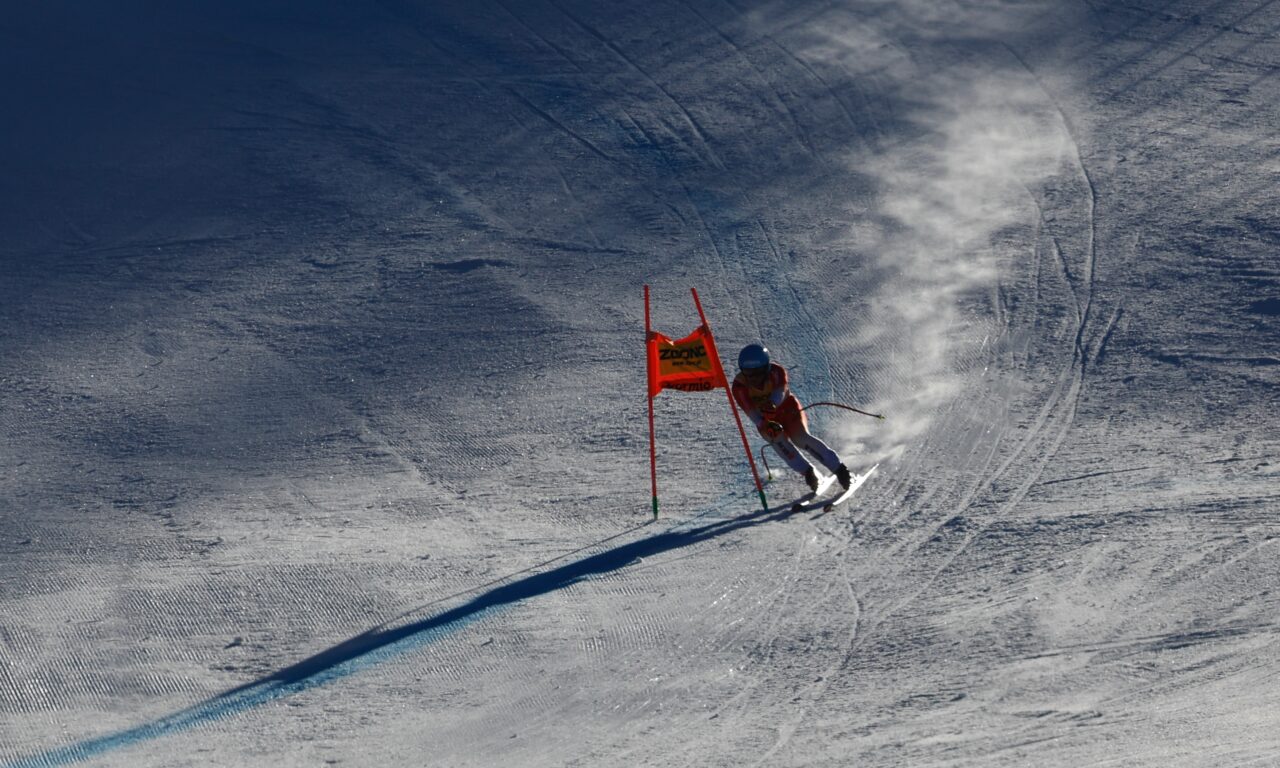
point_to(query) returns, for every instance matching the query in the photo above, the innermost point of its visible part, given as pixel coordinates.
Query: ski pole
(847, 408)
(763, 460)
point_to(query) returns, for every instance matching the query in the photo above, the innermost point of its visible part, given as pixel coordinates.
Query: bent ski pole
(847, 408)
(763, 460)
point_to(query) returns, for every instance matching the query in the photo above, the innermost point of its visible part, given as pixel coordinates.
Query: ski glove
(770, 430)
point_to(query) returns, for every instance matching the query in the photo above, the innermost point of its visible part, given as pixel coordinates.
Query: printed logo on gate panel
(684, 356)
(695, 386)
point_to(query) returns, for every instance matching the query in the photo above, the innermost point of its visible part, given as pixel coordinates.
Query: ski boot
(811, 477)
(842, 474)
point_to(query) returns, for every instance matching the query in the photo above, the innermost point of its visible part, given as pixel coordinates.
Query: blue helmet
(753, 356)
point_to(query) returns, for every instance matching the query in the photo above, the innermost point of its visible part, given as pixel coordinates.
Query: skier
(760, 389)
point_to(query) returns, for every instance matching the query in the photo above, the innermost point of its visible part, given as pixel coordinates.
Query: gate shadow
(382, 643)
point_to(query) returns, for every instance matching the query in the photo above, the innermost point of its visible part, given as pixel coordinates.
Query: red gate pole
(648, 361)
(728, 390)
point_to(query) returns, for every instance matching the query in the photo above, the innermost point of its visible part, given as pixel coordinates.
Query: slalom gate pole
(653, 450)
(847, 408)
(733, 408)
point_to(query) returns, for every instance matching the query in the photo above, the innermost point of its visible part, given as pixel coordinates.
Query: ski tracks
(694, 125)
(780, 103)
(806, 700)
(1083, 288)
(999, 489)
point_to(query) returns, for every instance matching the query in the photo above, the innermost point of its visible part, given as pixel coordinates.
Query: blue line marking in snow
(241, 699)
(379, 645)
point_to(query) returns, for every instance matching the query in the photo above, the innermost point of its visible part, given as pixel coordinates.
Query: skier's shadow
(383, 642)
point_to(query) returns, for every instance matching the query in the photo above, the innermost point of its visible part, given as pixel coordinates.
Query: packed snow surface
(322, 383)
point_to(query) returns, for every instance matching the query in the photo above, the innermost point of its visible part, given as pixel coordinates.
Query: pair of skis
(815, 499)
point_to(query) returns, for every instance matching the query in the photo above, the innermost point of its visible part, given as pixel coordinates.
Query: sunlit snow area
(323, 423)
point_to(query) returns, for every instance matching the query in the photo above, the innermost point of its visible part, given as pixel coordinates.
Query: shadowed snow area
(321, 381)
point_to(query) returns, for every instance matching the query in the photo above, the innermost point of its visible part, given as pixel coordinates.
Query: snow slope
(321, 381)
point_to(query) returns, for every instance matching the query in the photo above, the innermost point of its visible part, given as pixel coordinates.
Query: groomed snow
(321, 383)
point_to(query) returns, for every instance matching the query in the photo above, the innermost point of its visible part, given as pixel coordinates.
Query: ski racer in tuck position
(760, 389)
